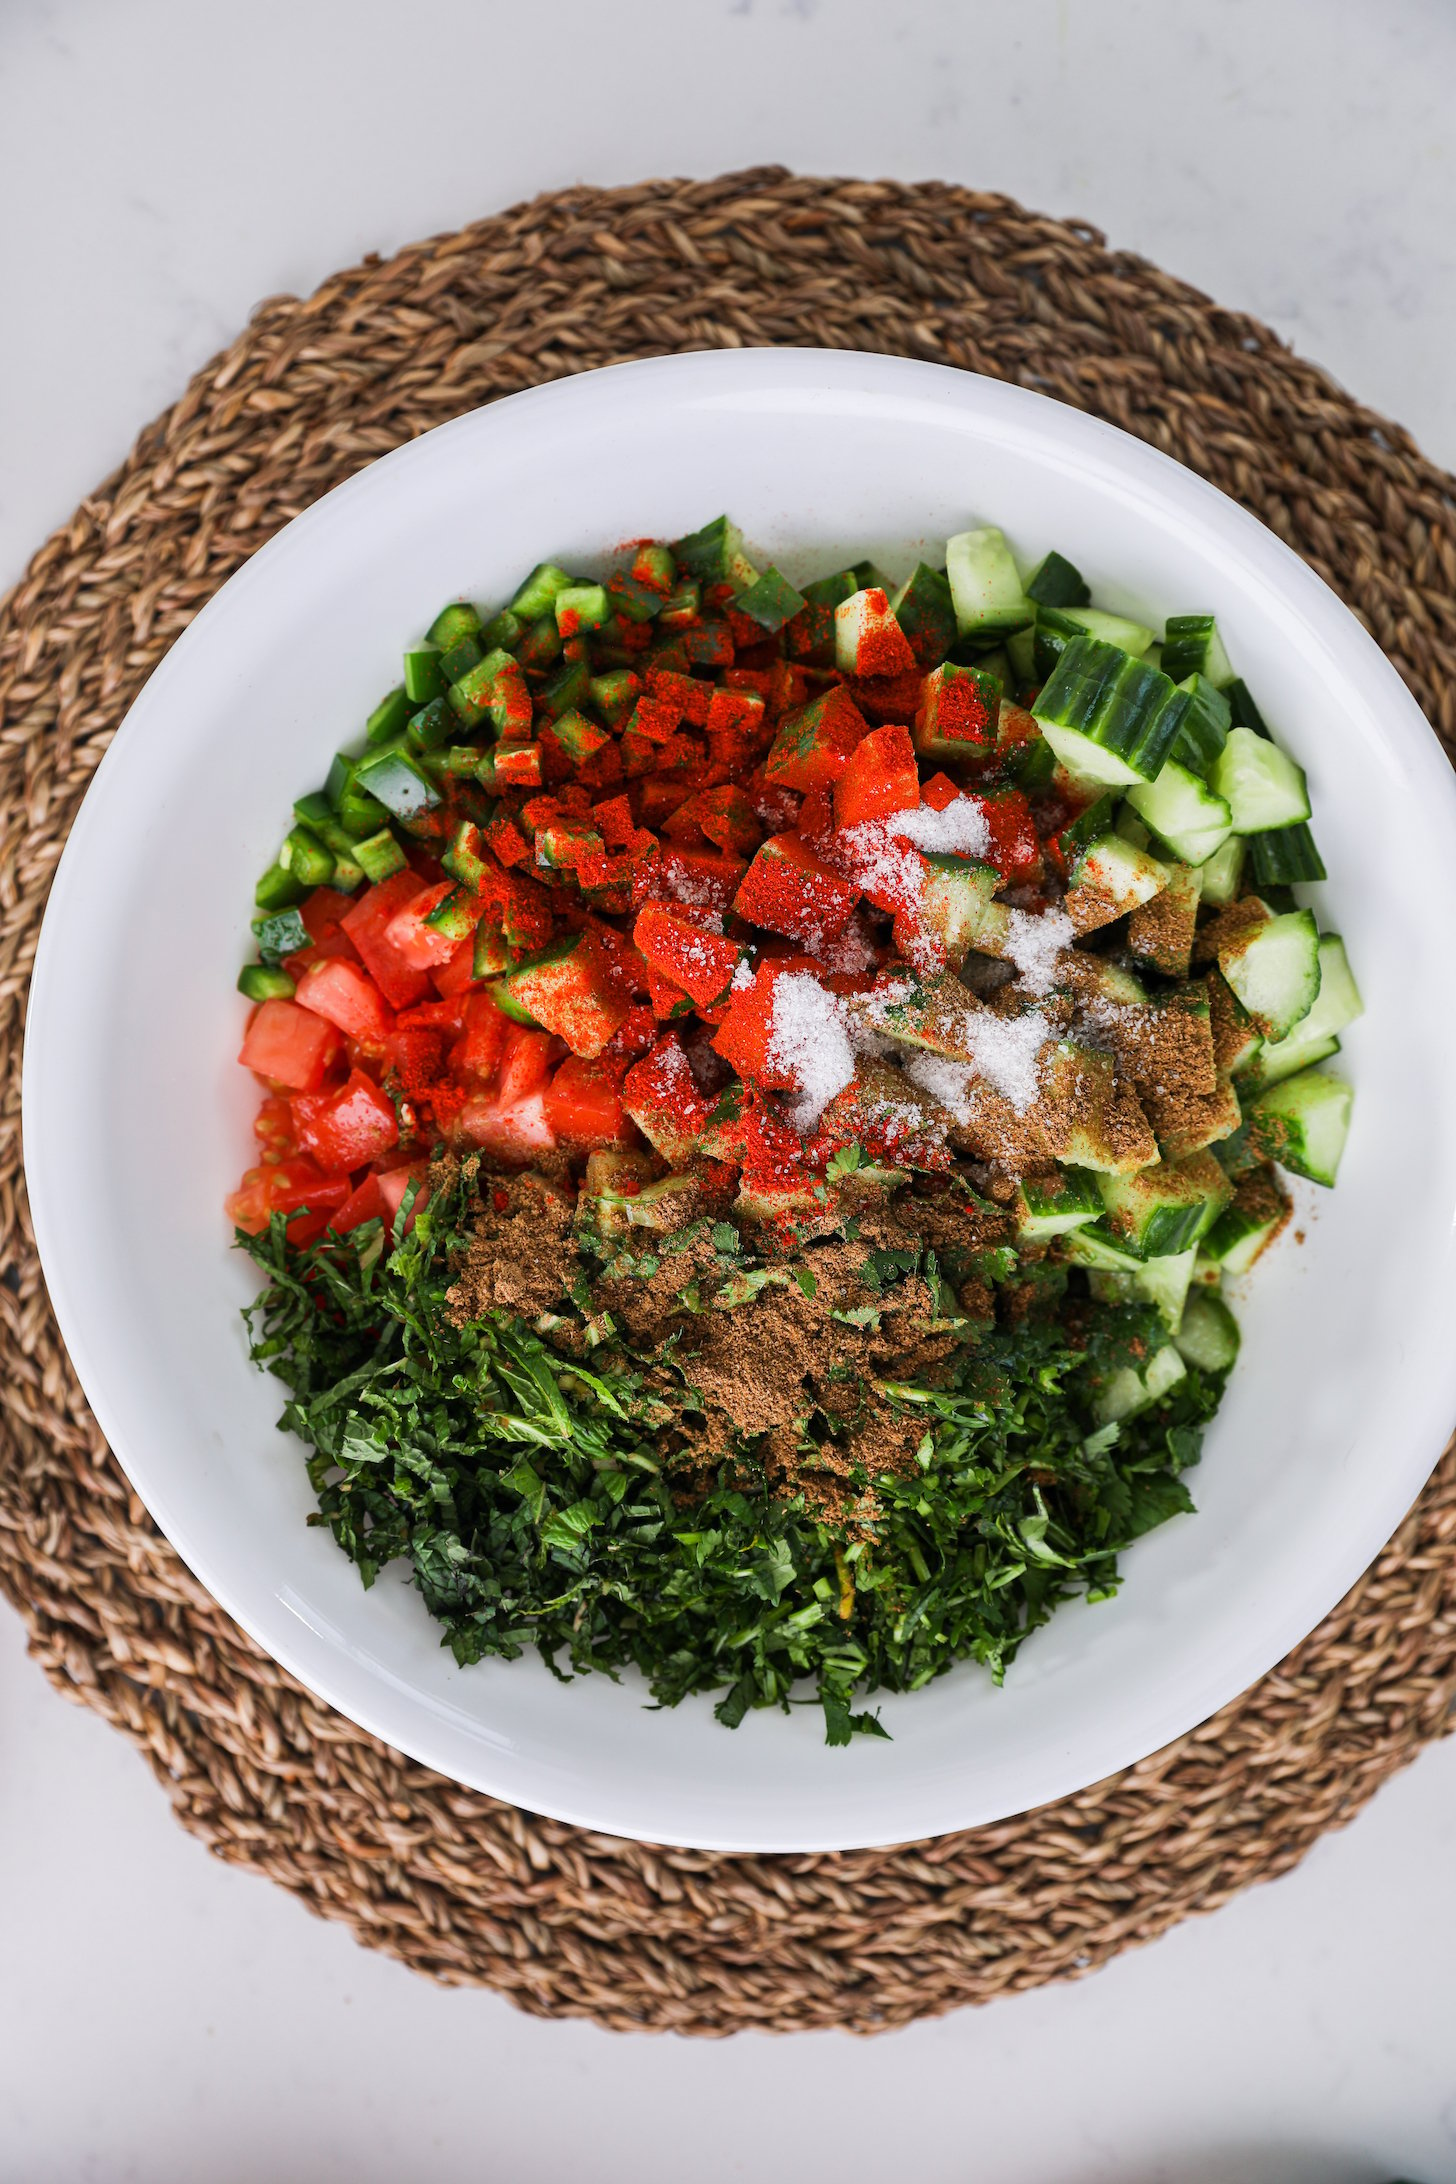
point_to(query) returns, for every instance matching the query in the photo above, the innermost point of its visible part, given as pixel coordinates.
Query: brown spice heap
(758, 1345)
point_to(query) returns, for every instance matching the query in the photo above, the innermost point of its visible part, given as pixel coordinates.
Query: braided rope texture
(455, 1884)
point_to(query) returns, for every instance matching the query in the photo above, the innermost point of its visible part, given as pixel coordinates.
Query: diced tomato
(289, 1045)
(344, 1129)
(347, 997)
(483, 1041)
(705, 879)
(323, 913)
(583, 1104)
(662, 1098)
(273, 1128)
(792, 891)
(939, 792)
(673, 942)
(284, 1186)
(363, 1204)
(414, 1060)
(393, 1184)
(515, 1133)
(525, 1064)
(889, 697)
(880, 777)
(666, 997)
(745, 1035)
(422, 947)
(379, 1197)
(456, 975)
(1015, 849)
(367, 923)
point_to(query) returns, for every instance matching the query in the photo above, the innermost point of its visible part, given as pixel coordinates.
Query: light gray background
(163, 165)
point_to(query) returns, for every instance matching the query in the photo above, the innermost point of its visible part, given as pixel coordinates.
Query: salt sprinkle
(960, 830)
(1005, 1052)
(1036, 945)
(809, 1036)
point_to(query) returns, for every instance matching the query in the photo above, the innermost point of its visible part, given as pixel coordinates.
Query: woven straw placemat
(568, 1923)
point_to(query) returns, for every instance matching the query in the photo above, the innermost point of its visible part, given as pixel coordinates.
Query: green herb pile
(523, 1491)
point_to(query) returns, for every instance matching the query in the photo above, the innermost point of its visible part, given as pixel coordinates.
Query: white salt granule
(960, 830)
(1036, 945)
(1005, 1052)
(809, 1036)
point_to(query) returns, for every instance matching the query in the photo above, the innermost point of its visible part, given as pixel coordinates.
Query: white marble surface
(162, 167)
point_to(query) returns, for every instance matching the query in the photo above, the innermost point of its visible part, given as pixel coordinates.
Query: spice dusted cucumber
(715, 555)
(1274, 969)
(925, 611)
(1109, 718)
(771, 601)
(1166, 1208)
(537, 595)
(1054, 1207)
(1110, 877)
(1303, 1123)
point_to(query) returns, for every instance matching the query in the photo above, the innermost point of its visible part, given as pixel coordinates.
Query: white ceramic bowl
(137, 1119)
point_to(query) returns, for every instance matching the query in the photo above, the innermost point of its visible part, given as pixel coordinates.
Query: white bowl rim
(755, 374)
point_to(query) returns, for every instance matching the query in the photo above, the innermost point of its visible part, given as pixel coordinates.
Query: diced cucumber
(1274, 970)
(1303, 1124)
(392, 776)
(1316, 1037)
(1223, 872)
(1057, 627)
(925, 611)
(453, 624)
(1167, 1207)
(715, 555)
(1284, 856)
(1126, 1392)
(954, 903)
(306, 858)
(1056, 582)
(389, 716)
(770, 602)
(1245, 1229)
(1192, 646)
(1161, 932)
(1206, 724)
(1261, 784)
(581, 606)
(1054, 1207)
(379, 856)
(1109, 878)
(422, 677)
(1114, 1276)
(985, 584)
(957, 718)
(1107, 716)
(1208, 1335)
(1021, 652)
(537, 595)
(259, 982)
(1183, 812)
